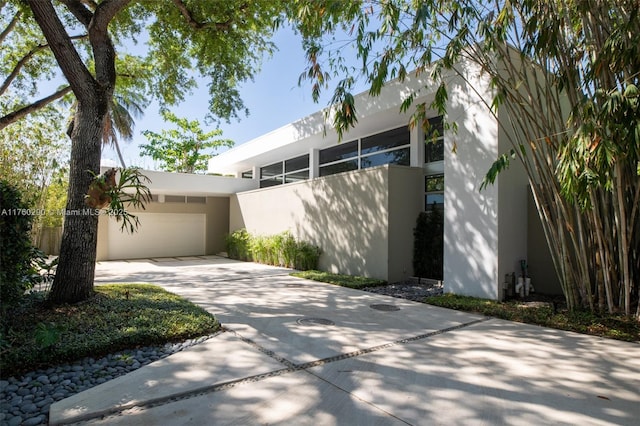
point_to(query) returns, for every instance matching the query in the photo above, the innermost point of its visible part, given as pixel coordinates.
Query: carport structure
(187, 216)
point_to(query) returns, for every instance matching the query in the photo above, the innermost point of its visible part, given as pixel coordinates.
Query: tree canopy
(89, 44)
(183, 149)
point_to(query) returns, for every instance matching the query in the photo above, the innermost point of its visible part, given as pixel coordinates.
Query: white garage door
(159, 235)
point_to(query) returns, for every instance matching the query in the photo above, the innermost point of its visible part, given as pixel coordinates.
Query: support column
(314, 163)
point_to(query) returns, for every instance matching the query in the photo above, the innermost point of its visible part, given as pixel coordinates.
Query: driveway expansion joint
(290, 367)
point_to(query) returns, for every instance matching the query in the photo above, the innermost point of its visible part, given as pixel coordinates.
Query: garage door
(159, 235)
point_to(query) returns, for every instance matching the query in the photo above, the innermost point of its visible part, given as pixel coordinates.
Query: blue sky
(274, 99)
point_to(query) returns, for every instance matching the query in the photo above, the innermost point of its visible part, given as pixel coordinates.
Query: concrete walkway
(304, 353)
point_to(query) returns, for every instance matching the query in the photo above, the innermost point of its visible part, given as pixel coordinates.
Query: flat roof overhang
(195, 184)
(375, 114)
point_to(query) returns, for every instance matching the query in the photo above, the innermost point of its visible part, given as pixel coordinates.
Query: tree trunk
(75, 272)
(117, 145)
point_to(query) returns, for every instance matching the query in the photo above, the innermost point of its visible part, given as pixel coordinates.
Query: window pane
(386, 140)
(247, 175)
(430, 203)
(270, 182)
(434, 140)
(271, 170)
(345, 166)
(434, 183)
(435, 129)
(434, 151)
(434, 198)
(339, 152)
(297, 163)
(399, 156)
(296, 176)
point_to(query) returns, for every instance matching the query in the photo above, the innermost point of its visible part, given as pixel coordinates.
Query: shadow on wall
(541, 268)
(347, 216)
(471, 218)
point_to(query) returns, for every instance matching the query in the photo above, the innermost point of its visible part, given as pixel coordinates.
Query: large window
(398, 156)
(390, 147)
(339, 152)
(287, 171)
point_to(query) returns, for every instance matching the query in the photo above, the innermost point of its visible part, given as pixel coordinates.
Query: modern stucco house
(358, 199)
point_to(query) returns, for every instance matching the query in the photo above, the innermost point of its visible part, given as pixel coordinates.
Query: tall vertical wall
(512, 207)
(471, 216)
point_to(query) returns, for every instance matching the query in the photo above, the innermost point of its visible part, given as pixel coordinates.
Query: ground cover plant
(338, 279)
(605, 325)
(120, 316)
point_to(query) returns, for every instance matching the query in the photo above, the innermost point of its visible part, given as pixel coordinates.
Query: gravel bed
(25, 400)
(410, 290)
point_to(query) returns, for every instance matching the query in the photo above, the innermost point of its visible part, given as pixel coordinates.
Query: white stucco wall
(471, 216)
(345, 214)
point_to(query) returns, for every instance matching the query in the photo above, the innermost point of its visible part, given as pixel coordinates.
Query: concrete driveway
(304, 353)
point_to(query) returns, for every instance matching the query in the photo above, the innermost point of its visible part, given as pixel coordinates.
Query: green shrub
(307, 256)
(16, 251)
(278, 250)
(428, 245)
(238, 245)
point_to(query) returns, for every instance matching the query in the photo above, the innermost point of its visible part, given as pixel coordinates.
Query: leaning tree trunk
(75, 272)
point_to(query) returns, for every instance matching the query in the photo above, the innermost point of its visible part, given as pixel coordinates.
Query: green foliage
(34, 153)
(182, 150)
(238, 245)
(307, 256)
(341, 280)
(222, 42)
(428, 244)
(279, 250)
(47, 334)
(55, 200)
(121, 316)
(607, 138)
(16, 251)
(606, 325)
(501, 164)
(130, 190)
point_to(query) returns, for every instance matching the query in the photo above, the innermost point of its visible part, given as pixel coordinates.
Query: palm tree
(125, 105)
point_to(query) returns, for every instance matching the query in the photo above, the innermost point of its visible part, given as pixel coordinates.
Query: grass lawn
(341, 280)
(121, 316)
(610, 326)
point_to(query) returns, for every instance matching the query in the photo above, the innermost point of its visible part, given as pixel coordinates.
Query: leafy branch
(129, 190)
